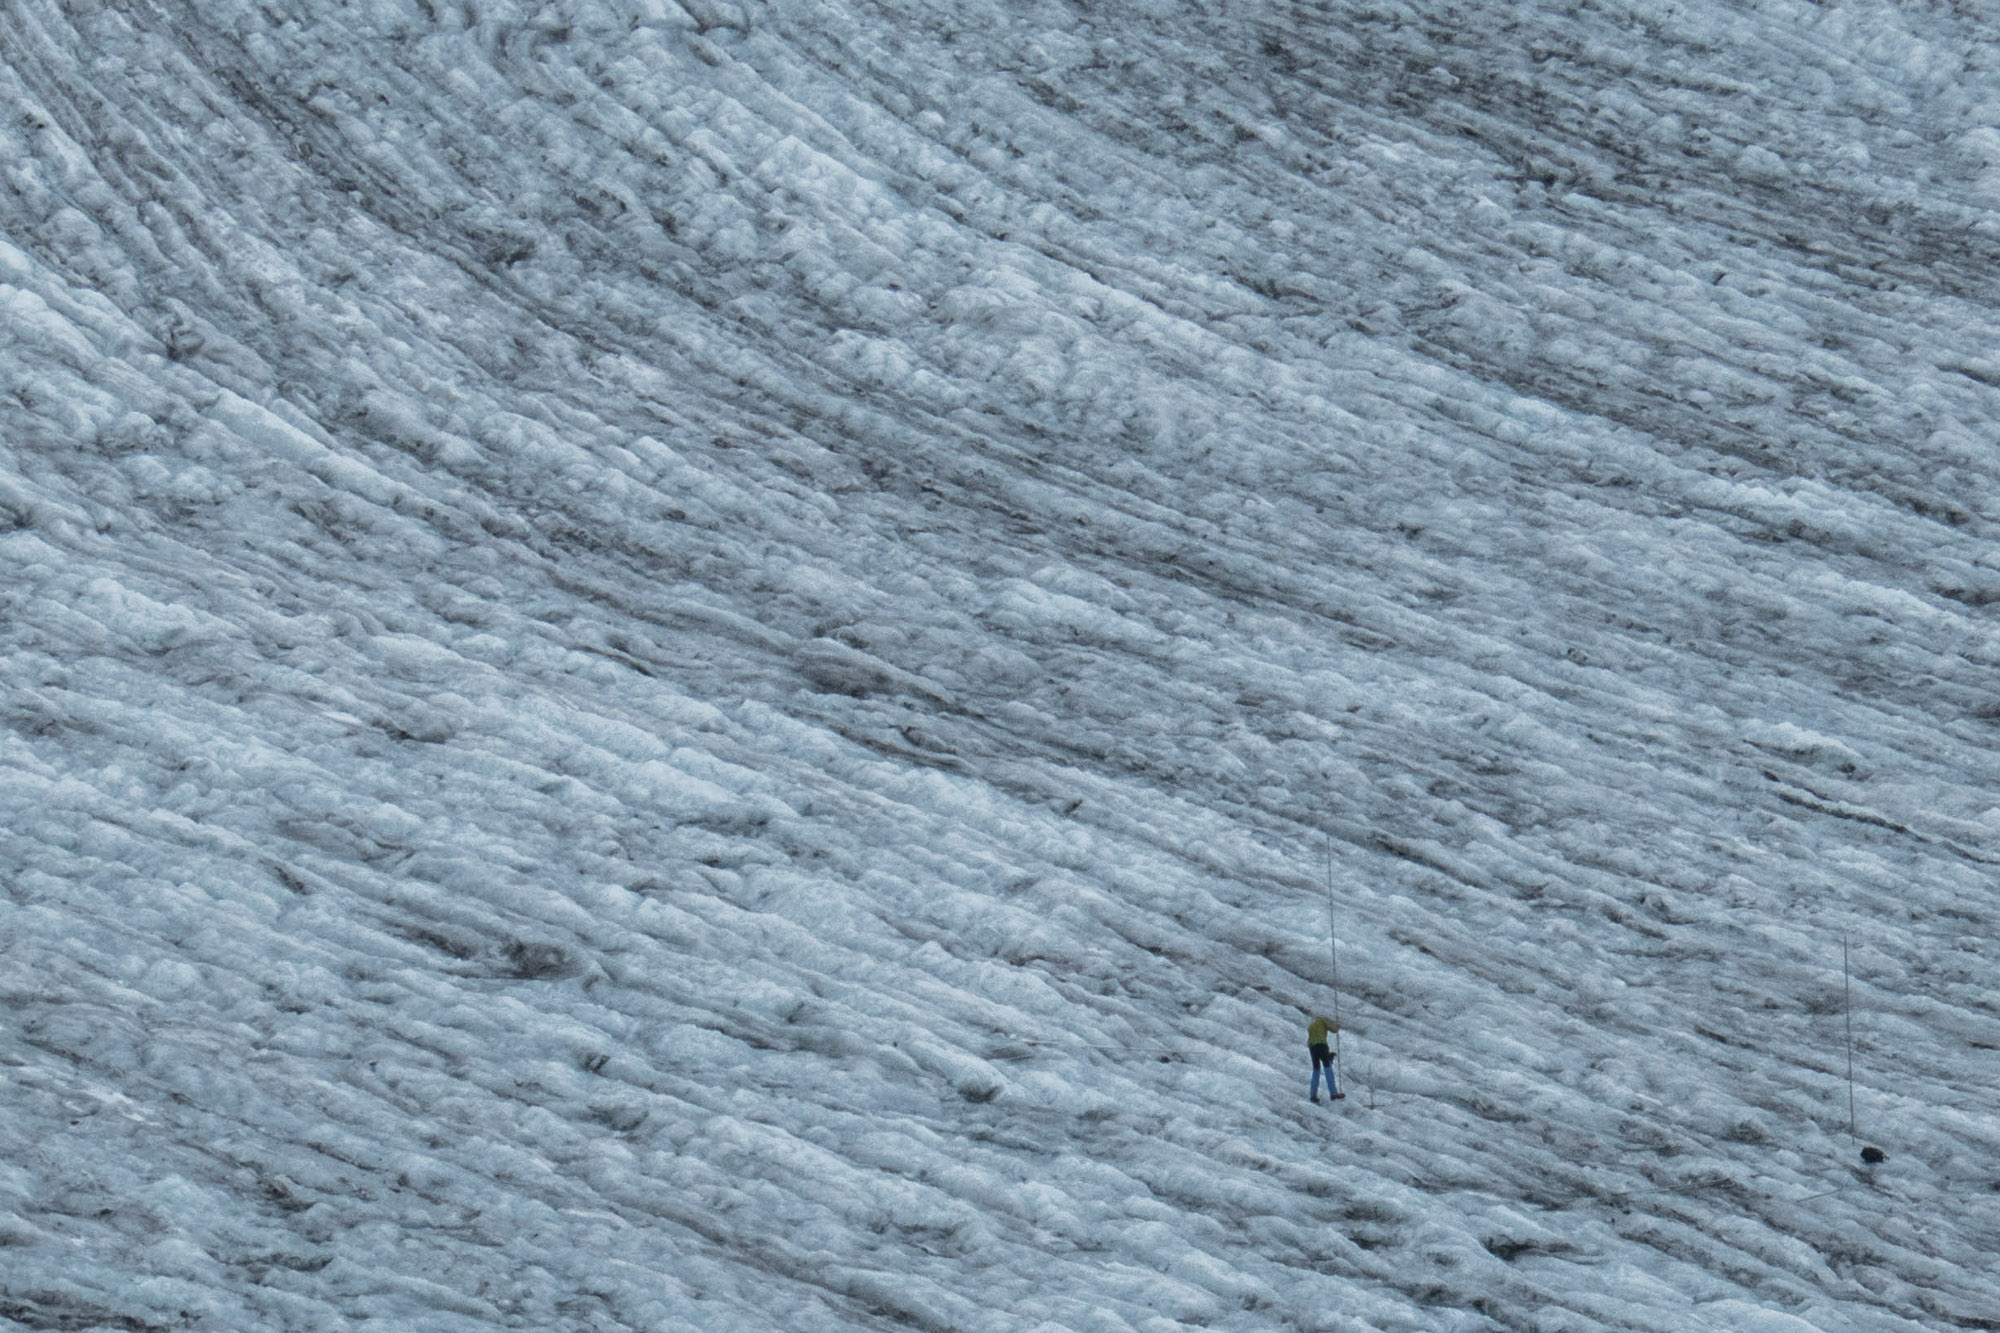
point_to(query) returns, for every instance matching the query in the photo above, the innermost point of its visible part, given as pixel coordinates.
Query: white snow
(692, 666)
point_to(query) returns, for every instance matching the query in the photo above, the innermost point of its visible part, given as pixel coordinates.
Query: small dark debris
(183, 341)
(619, 1117)
(280, 1193)
(541, 962)
(287, 877)
(432, 939)
(1873, 1156)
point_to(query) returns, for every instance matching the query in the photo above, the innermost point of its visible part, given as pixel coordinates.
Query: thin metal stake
(1847, 991)
(1333, 942)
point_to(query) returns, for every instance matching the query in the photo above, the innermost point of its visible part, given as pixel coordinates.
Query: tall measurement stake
(1333, 944)
(1847, 992)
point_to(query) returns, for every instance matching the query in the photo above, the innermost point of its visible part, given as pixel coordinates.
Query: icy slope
(689, 667)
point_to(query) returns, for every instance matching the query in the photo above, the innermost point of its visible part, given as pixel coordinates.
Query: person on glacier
(1322, 1057)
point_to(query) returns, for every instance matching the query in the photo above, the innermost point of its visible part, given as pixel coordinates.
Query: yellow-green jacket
(1316, 1032)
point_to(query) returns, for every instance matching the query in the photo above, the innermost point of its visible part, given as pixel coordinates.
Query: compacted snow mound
(705, 666)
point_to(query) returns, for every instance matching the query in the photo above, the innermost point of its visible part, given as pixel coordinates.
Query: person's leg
(1323, 1059)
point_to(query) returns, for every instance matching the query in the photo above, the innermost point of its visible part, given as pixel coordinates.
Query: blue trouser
(1323, 1059)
